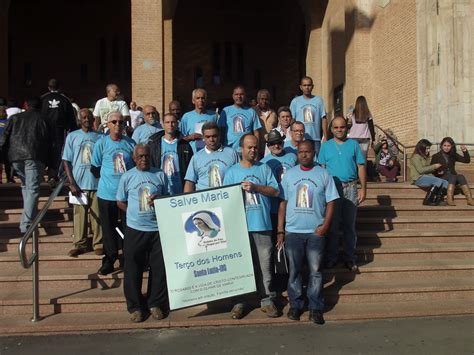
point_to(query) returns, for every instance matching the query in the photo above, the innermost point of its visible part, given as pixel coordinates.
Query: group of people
(437, 174)
(300, 187)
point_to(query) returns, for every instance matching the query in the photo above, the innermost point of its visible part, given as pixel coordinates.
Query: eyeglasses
(297, 130)
(115, 122)
(274, 143)
(141, 156)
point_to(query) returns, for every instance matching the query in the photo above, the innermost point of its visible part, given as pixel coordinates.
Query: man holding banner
(207, 167)
(138, 188)
(259, 184)
(304, 217)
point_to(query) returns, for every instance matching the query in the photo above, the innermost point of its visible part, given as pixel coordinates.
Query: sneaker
(157, 313)
(99, 251)
(75, 252)
(270, 310)
(293, 314)
(106, 269)
(237, 311)
(316, 316)
(136, 316)
(351, 266)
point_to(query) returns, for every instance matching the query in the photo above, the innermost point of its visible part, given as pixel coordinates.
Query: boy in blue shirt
(137, 189)
(310, 110)
(344, 160)
(304, 218)
(208, 166)
(111, 158)
(238, 119)
(259, 185)
(77, 156)
(191, 123)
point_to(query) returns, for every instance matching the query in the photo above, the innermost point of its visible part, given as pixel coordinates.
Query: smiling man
(111, 158)
(259, 185)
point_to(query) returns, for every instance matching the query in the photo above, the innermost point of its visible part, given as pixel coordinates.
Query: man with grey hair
(110, 103)
(137, 189)
(192, 121)
(111, 158)
(152, 125)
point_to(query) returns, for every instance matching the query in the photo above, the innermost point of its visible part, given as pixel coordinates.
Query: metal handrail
(33, 260)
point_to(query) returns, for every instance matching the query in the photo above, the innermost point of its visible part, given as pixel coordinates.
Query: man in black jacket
(171, 153)
(61, 118)
(27, 141)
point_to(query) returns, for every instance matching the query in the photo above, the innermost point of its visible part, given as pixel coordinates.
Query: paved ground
(440, 335)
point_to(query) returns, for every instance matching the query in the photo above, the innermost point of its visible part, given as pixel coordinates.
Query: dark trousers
(58, 137)
(110, 214)
(140, 247)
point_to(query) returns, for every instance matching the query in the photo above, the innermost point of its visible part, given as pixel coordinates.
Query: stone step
(415, 222)
(373, 209)
(53, 227)
(86, 277)
(79, 300)
(401, 237)
(59, 214)
(15, 190)
(16, 202)
(200, 316)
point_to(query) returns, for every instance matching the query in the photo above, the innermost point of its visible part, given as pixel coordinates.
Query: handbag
(281, 265)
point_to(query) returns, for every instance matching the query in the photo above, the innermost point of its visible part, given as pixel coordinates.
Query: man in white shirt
(108, 104)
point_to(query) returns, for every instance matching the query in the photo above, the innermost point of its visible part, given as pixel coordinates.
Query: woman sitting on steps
(420, 167)
(448, 157)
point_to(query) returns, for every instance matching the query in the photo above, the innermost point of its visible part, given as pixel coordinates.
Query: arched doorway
(218, 44)
(83, 43)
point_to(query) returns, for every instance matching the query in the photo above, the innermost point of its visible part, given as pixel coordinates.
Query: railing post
(35, 274)
(405, 165)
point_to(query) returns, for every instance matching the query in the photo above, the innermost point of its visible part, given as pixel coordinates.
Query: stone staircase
(414, 260)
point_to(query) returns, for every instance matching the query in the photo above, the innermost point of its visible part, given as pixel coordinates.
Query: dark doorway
(83, 43)
(255, 43)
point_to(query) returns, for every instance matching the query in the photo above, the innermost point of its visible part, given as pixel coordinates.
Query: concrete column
(4, 7)
(148, 80)
(445, 55)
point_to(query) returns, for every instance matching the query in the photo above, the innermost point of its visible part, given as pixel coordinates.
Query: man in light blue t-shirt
(208, 166)
(238, 119)
(259, 185)
(77, 156)
(137, 189)
(344, 160)
(304, 219)
(310, 110)
(191, 124)
(111, 158)
(152, 125)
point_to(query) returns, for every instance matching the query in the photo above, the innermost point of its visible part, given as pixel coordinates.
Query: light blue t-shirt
(238, 121)
(279, 166)
(341, 160)
(170, 165)
(307, 193)
(135, 187)
(142, 133)
(310, 112)
(257, 206)
(288, 147)
(78, 150)
(207, 169)
(113, 158)
(192, 122)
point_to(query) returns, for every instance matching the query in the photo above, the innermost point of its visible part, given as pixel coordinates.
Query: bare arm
(189, 186)
(122, 205)
(324, 124)
(75, 190)
(363, 182)
(322, 229)
(281, 223)
(262, 189)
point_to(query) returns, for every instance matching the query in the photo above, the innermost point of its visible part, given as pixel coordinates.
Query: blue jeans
(261, 246)
(30, 173)
(345, 213)
(428, 180)
(299, 245)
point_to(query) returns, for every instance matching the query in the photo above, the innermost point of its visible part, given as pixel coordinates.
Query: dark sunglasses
(274, 143)
(339, 127)
(120, 122)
